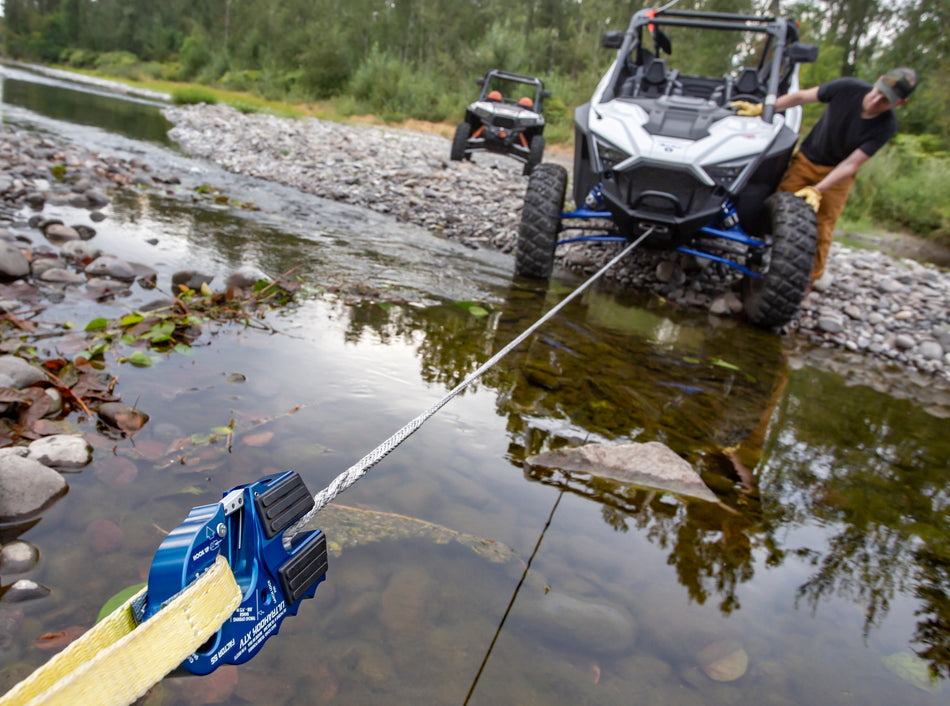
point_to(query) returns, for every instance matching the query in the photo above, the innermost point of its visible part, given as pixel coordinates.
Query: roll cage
(646, 75)
(494, 78)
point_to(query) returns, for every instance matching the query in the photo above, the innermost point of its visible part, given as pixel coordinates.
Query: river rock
(931, 350)
(13, 263)
(60, 275)
(246, 276)
(18, 557)
(26, 487)
(577, 624)
(96, 198)
(24, 590)
(191, 279)
(122, 416)
(22, 373)
(111, 266)
(104, 286)
(59, 233)
(42, 264)
(103, 536)
(80, 250)
(650, 465)
(61, 451)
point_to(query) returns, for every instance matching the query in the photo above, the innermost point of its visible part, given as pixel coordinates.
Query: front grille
(502, 121)
(691, 193)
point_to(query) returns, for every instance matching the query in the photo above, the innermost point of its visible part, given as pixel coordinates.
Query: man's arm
(845, 170)
(790, 100)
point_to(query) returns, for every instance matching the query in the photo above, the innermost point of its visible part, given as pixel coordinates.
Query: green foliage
(186, 95)
(118, 63)
(195, 54)
(78, 58)
(904, 186)
(384, 85)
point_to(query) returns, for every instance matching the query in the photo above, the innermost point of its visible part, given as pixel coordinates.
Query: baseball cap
(897, 84)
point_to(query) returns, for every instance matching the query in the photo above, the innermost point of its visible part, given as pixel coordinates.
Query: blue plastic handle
(246, 526)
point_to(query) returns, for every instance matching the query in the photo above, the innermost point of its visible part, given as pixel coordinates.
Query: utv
(661, 150)
(505, 119)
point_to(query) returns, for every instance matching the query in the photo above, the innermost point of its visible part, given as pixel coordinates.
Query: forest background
(418, 59)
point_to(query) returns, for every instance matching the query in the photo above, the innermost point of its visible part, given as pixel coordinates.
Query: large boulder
(26, 487)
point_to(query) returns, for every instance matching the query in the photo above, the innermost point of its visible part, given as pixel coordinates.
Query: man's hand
(811, 195)
(747, 109)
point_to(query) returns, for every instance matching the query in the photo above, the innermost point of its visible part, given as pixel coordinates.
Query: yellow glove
(747, 109)
(811, 195)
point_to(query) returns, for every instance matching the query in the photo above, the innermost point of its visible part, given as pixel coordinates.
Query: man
(858, 121)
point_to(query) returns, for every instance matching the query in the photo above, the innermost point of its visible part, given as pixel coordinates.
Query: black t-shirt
(841, 130)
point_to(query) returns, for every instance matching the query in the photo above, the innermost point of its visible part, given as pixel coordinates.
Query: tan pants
(803, 172)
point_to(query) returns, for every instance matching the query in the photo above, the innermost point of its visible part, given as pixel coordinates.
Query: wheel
(540, 221)
(535, 153)
(460, 141)
(774, 298)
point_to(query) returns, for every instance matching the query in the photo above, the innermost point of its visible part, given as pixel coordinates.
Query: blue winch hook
(246, 526)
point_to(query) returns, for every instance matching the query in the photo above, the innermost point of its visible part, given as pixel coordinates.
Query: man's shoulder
(842, 87)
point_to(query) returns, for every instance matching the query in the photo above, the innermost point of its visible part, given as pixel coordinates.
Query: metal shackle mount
(246, 526)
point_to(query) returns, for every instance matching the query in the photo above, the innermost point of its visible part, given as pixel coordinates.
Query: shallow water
(826, 555)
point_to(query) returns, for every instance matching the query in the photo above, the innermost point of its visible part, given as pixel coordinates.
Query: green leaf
(206, 289)
(68, 324)
(473, 309)
(723, 364)
(692, 361)
(119, 599)
(160, 332)
(183, 348)
(131, 319)
(95, 351)
(223, 431)
(140, 359)
(96, 324)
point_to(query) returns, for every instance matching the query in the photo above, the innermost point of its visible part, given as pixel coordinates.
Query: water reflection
(135, 118)
(864, 474)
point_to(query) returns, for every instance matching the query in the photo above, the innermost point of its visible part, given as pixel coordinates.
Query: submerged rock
(26, 487)
(649, 465)
(18, 557)
(61, 450)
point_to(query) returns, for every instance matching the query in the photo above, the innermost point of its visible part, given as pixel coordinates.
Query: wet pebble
(24, 590)
(26, 487)
(61, 451)
(18, 557)
(103, 536)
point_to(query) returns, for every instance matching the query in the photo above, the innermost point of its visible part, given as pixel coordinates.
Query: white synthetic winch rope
(359, 469)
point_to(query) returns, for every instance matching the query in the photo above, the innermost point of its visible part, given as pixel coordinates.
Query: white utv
(659, 148)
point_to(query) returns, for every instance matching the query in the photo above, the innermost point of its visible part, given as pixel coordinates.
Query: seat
(748, 82)
(494, 96)
(654, 79)
(526, 102)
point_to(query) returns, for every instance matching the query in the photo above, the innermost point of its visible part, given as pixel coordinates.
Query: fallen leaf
(55, 641)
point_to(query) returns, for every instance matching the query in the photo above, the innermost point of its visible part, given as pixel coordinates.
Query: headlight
(482, 112)
(726, 173)
(609, 155)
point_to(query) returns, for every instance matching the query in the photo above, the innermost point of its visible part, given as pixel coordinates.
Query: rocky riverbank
(893, 311)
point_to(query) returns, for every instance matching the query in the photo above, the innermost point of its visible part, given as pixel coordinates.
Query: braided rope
(360, 468)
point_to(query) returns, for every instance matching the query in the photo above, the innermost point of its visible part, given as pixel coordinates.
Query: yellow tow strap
(116, 662)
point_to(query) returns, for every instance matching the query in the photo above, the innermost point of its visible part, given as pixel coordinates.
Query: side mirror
(612, 39)
(480, 80)
(545, 93)
(801, 53)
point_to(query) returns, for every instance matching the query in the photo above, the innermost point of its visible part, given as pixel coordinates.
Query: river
(819, 576)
